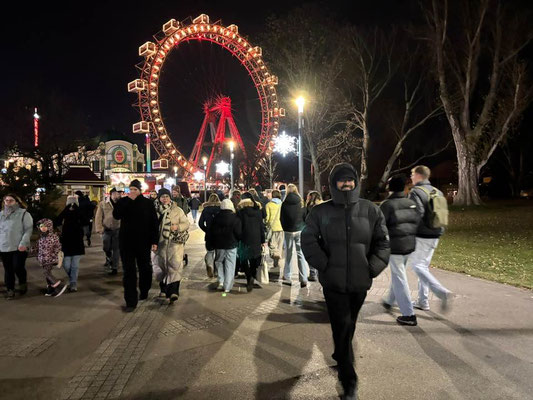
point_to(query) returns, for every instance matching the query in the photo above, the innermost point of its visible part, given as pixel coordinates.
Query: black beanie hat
(112, 191)
(162, 192)
(397, 183)
(136, 183)
(345, 174)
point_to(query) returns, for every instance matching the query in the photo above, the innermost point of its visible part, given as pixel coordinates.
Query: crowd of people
(344, 243)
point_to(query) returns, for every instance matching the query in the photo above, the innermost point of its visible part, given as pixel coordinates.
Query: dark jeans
(343, 309)
(14, 264)
(250, 267)
(135, 258)
(111, 247)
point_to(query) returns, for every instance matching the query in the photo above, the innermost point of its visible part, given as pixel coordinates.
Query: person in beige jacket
(274, 229)
(109, 227)
(168, 260)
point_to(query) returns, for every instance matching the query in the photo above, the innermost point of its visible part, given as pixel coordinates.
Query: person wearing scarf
(170, 249)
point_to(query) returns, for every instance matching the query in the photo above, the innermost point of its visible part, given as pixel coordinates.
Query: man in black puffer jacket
(346, 240)
(402, 222)
(139, 233)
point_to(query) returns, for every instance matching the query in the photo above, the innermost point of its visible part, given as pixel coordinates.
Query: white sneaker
(418, 306)
(220, 286)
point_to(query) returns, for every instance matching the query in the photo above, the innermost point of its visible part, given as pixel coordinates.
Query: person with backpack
(432, 208)
(402, 221)
(210, 210)
(16, 226)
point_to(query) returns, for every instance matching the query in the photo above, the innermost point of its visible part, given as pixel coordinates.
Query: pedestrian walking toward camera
(223, 234)
(252, 237)
(173, 233)
(195, 205)
(432, 207)
(87, 211)
(313, 199)
(109, 228)
(402, 221)
(139, 233)
(210, 210)
(292, 221)
(346, 240)
(71, 220)
(48, 248)
(274, 235)
(153, 196)
(16, 226)
(180, 200)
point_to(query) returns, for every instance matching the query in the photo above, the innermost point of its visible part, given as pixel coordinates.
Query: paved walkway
(273, 343)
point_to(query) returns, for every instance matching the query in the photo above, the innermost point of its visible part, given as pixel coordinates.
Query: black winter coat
(292, 213)
(253, 227)
(206, 218)
(86, 209)
(346, 240)
(195, 203)
(402, 221)
(72, 221)
(139, 226)
(225, 230)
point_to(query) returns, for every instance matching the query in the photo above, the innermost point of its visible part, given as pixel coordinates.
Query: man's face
(346, 184)
(415, 178)
(115, 196)
(134, 192)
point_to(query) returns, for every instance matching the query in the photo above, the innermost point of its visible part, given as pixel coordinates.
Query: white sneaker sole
(61, 291)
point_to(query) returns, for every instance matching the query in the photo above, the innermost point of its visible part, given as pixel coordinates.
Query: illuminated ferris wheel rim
(147, 86)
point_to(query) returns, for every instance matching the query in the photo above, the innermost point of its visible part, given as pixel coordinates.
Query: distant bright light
(222, 168)
(231, 145)
(198, 176)
(300, 102)
(144, 186)
(204, 160)
(170, 181)
(284, 144)
(36, 116)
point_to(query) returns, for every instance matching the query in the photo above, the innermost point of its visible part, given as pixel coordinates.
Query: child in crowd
(48, 248)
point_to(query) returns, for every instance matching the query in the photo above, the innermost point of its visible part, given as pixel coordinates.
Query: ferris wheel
(155, 53)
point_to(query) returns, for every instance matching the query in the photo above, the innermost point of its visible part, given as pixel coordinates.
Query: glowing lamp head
(300, 102)
(231, 145)
(204, 160)
(198, 176)
(175, 169)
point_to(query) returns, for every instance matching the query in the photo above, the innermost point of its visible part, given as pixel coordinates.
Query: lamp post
(176, 173)
(300, 102)
(204, 160)
(231, 146)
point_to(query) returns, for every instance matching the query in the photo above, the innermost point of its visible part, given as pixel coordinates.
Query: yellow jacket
(273, 216)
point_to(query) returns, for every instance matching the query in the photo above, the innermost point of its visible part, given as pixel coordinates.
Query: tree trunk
(363, 182)
(468, 189)
(316, 166)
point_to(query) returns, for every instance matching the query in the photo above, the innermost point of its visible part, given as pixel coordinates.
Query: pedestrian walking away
(292, 221)
(16, 226)
(252, 237)
(87, 211)
(109, 228)
(71, 220)
(274, 234)
(210, 210)
(346, 240)
(402, 221)
(173, 233)
(223, 234)
(313, 198)
(139, 233)
(48, 248)
(195, 205)
(427, 240)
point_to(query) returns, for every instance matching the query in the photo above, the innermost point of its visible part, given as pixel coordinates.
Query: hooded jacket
(273, 215)
(253, 228)
(402, 221)
(48, 245)
(72, 220)
(210, 210)
(292, 213)
(346, 239)
(15, 229)
(224, 231)
(104, 220)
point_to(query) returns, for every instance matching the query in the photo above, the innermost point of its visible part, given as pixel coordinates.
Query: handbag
(262, 271)
(179, 237)
(60, 259)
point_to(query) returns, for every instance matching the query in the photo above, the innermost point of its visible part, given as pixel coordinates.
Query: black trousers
(250, 267)
(133, 259)
(14, 265)
(343, 309)
(170, 289)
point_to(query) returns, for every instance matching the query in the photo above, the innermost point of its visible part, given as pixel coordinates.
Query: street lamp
(204, 160)
(176, 173)
(300, 102)
(231, 146)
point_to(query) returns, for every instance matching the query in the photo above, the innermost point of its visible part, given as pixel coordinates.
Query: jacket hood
(248, 203)
(212, 204)
(338, 196)
(46, 222)
(293, 198)
(276, 201)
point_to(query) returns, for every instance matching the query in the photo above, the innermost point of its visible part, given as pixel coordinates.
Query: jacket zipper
(348, 236)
